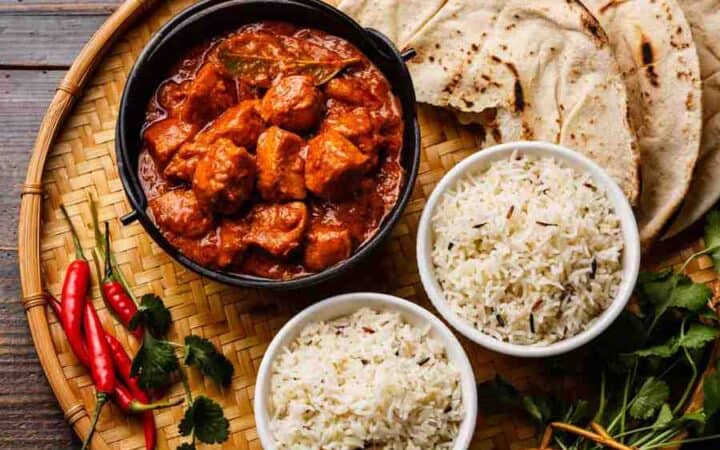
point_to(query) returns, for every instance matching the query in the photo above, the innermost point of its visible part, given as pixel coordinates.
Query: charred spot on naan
(454, 81)
(591, 24)
(648, 59)
(611, 4)
(647, 52)
(519, 96)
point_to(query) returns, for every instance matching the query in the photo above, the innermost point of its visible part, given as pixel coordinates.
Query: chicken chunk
(204, 250)
(163, 138)
(232, 241)
(179, 212)
(171, 96)
(293, 103)
(326, 246)
(182, 165)
(224, 177)
(281, 167)
(359, 126)
(334, 166)
(210, 93)
(241, 124)
(351, 91)
(278, 228)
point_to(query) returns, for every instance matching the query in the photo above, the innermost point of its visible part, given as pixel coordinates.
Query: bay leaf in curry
(263, 69)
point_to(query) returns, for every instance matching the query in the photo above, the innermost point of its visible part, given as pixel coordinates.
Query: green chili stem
(693, 368)
(560, 443)
(186, 385)
(75, 238)
(695, 255)
(682, 442)
(654, 438)
(637, 430)
(601, 406)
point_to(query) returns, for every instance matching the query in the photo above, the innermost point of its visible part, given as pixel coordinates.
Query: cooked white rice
(368, 380)
(528, 251)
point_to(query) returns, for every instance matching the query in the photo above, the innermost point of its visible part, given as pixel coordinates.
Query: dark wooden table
(39, 39)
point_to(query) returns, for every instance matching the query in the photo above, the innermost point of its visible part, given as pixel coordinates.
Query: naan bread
(704, 19)
(398, 20)
(538, 70)
(654, 47)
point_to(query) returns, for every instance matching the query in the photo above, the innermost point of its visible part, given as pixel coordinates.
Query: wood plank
(58, 6)
(32, 418)
(24, 96)
(48, 41)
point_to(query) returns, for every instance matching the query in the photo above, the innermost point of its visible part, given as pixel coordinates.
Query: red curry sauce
(273, 151)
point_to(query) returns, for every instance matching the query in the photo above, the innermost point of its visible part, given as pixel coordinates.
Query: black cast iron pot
(211, 18)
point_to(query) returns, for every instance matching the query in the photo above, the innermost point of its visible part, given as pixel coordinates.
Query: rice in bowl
(367, 380)
(528, 250)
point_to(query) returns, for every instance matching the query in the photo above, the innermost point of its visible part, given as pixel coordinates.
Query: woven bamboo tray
(74, 156)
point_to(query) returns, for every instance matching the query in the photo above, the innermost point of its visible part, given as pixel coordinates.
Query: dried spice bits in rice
(529, 250)
(367, 380)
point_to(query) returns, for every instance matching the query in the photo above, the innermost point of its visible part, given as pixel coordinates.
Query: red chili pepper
(150, 430)
(102, 370)
(123, 365)
(114, 292)
(57, 307)
(130, 404)
(74, 294)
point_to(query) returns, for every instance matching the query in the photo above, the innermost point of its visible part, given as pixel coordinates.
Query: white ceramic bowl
(343, 305)
(631, 253)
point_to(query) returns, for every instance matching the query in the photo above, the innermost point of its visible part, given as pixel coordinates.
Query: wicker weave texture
(240, 322)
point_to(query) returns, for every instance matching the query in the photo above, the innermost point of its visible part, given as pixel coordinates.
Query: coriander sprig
(157, 364)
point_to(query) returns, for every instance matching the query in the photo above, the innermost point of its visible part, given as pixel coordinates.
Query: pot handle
(408, 54)
(129, 218)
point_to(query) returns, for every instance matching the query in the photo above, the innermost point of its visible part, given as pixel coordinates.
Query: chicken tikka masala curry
(273, 151)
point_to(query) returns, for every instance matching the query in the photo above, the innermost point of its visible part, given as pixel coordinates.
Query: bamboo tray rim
(68, 91)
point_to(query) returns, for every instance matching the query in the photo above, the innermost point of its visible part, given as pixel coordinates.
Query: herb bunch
(647, 364)
(157, 366)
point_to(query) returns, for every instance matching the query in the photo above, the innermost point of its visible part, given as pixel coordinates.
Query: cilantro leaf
(667, 289)
(654, 287)
(154, 363)
(689, 295)
(712, 237)
(153, 315)
(696, 337)
(186, 446)
(711, 390)
(201, 353)
(664, 416)
(708, 314)
(665, 350)
(651, 396)
(206, 421)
